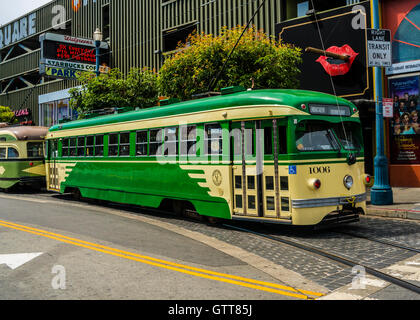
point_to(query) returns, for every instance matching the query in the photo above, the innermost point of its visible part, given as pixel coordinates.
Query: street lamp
(97, 36)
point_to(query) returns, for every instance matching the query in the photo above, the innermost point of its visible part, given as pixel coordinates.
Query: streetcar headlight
(348, 181)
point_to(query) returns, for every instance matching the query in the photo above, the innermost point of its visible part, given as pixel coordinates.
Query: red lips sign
(338, 67)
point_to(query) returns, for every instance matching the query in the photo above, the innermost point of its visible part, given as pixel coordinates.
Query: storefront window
(55, 111)
(405, 125)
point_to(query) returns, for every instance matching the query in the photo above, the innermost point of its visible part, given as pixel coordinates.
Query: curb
(394, 213)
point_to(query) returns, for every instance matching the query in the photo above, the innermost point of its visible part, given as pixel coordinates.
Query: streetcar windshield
(316, 136)
(349, 135)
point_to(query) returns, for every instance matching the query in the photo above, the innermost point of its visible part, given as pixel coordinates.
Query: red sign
(340, 68)
(388, 107)
(75, 53)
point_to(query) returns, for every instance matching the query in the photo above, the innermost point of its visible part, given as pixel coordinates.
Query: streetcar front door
(52, 166)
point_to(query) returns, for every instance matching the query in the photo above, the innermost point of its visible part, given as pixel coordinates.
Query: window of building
(172, 37)
(51, 113)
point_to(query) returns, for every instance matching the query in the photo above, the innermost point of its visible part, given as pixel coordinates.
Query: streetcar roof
(25, 133)
(279, 97)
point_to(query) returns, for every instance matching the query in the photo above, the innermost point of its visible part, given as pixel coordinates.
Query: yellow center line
(165, 264)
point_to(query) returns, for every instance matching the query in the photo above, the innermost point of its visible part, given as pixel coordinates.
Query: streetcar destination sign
(379, 48)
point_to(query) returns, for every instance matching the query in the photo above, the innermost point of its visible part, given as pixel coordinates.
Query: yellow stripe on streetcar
(237, 280)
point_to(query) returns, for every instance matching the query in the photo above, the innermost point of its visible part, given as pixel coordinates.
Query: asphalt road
(82, 252)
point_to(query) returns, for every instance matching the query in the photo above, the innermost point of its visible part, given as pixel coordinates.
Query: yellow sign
(62, 73)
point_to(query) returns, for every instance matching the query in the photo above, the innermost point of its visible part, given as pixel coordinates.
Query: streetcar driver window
(2, 153)
(12, 153)
(213, 139)
(348, 135)
(315, 137)
(35, 149)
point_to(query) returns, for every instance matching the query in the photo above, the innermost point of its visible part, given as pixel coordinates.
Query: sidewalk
(406, 205)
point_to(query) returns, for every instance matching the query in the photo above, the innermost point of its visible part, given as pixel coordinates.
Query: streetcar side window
(2, 153)
(73, 147)
(81, 146)
(35, 149)
(171, 141)
(188, 140)
(113, 145)
(141, 143)
(90, 141)
(213, 141)
(12, 153)
(124, 147)
(155, 142)
(65, 149)
(99, 146)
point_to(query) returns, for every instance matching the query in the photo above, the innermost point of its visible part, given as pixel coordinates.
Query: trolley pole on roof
(381, 192)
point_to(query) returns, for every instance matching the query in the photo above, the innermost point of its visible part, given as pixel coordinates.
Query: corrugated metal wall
(214, 14)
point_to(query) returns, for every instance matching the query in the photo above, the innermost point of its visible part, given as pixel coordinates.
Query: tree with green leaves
(114, 90)
(258, 61)
(6, 115)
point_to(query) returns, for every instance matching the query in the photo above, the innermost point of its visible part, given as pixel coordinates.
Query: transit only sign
(379, 48)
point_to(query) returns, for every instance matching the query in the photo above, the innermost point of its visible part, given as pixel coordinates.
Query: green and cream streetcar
(22, 156)
(282, 156)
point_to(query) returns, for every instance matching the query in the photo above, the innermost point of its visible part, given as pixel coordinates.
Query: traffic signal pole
(381, 192)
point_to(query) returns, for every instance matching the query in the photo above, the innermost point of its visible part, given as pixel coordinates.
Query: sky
(12, 9)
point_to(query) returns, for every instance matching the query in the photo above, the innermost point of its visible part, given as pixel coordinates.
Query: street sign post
(380, 52)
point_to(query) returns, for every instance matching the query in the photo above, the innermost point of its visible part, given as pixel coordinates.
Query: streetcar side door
(260, 181)
(246, 166)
